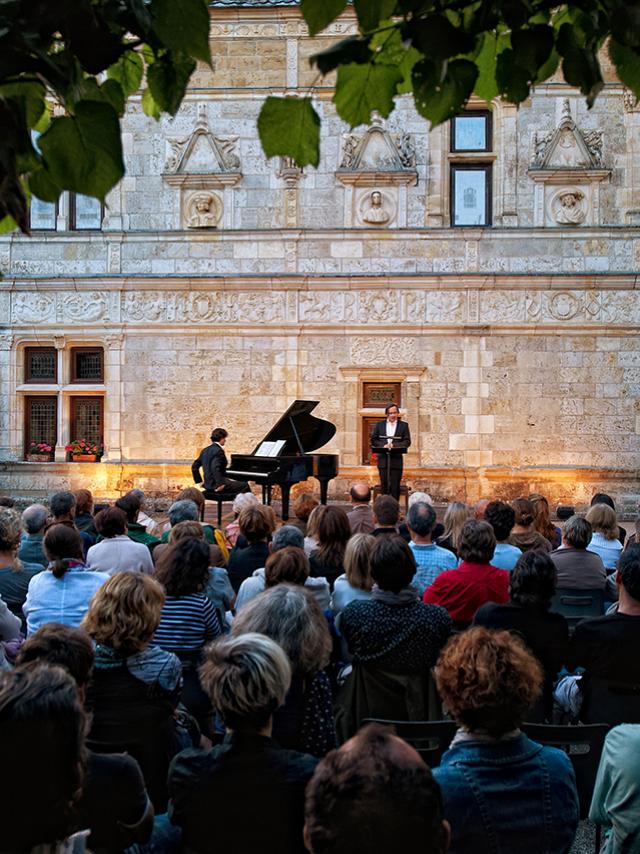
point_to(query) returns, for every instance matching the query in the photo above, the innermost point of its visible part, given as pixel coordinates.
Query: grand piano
(284, 455)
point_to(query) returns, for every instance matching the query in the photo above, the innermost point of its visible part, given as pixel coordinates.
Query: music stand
(397, 445)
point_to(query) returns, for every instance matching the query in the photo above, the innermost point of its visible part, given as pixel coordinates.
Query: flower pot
(84, 458)
(39, 458)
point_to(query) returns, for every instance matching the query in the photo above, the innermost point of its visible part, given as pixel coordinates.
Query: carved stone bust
(374, 210)
(569, 207)
(203, 210)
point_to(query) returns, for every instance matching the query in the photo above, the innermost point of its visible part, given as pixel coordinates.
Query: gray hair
(242, 500)
(247, 678)
(578, 532)
(62, 503)
(184, 510)
(421, 498)
(287, 535)
(34, 518)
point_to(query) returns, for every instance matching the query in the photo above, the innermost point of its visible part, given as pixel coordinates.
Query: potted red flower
(39, 452)
(84, 450)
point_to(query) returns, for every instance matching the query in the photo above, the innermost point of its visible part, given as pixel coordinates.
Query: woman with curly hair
(15, 574)
(502, 791)
(291, 617)
(542, 520)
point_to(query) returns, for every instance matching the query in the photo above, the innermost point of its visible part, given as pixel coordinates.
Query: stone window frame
(65, 216)
(475, 159)
(72, 214)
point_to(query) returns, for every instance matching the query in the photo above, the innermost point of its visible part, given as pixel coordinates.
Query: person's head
(291, 617)
(84, 501)
(374, 795)
(392, 412)
(34, 518)
(138, 494)
(332, 531)
(501, 517)
(184, 567)
(125, 612)
(63, 505)
(10, 531)
(477, 542)
(603, 498)
(629, 572)
(183, 511)
(603, 520)
(479, 508)
(130, 505)
(357, 561)
(455, 516)
(219, 434)
(360, 493)
(255, 525)
(242, 500)
(541, 518)
(42, 741)
(185, 530)
(63, 646)
(392, 563)
(386, 511)
(524, 511)
(577, 532)
(420, 520)
(62, 544)
(191, 493)
(111, 522)
(6, 501)
(287, 565)
(488, 680)
(303, 505)
(532, 582)
(247, 678)
(420, 498)
(287, 535)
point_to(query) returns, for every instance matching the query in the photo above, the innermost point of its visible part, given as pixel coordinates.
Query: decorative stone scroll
(567, 166)
(376, 167)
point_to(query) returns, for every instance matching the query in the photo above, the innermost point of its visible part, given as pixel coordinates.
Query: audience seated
(42, 727)
(577, 568)
(616, 796)
(542, 520)
(302, 508)
(149, 524)
(463, 590)
(256, 526)
(356, 582)
(188, 508)
(15, 575)
(386, 515)
(501, 791)
(290, 616)
(604, 540)
(455, 516)
(502, 518)
(372, 796)
(130, 504)
(116, 552)
(63, 512)
(242, 500)
(34, 520)
(430, 559)
(84, 512)
(523, 533)
(361, 516)
(293, 568)
(247, 794)
(114, 803)
(61, 594)
(532, 585)
(135, 686)
(420, 498)
(603, 498)
(332, 534)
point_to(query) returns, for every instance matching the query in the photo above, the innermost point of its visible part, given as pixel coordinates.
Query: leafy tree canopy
(443, 51)
(86, 57)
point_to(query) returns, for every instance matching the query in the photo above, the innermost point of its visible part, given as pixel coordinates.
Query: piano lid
(300, 431)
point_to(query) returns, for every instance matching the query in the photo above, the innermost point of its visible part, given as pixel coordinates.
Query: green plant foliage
(319, 15)
(303, 129)
(361, 89)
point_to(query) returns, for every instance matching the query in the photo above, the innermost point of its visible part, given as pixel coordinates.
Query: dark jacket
(213, 462)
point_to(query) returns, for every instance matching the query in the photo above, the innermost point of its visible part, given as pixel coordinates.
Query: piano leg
(285, 489)
(324, 488)
(264, 493)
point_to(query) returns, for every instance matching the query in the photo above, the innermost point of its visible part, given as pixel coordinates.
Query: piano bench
(219, 498)
(404, 493)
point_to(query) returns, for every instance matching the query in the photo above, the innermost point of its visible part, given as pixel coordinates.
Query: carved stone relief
(568, 206)
(376, 207)
(33, 307)
(201, 209)
(383, 351)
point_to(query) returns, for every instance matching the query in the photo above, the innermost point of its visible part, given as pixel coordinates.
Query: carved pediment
(203, 159)
(377, 150)
(567, 147)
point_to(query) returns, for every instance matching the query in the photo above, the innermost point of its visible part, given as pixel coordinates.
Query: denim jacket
(507, 796)
(61, 600)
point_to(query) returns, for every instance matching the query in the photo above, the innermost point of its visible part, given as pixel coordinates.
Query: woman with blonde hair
(15, 575)
(136, 686)
(542, 520)
(356, 582)
(604, 540)
(455, 516)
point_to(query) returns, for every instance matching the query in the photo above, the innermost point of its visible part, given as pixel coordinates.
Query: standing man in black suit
(390, 440)
(213, 462)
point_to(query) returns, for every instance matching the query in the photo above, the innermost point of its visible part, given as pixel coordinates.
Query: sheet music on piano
(270, 449)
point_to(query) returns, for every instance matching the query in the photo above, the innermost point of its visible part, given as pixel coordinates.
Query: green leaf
(548, 69)
(581, 68)
(361, 89)
(83, 152)
(318, 14)
(149, 106)
(371, 12)
(533, 46)
(7, 224)
(514, 82)
(43, 187)
(411, 57)
(183, 26)
(114, 95)
(625, 24)
(290, 127)
(352, 49)
(437, 38)
(168, 77)
(486, 86)
(627, 63)
(88, 90)
(127, 71)
(32, 94)
(438, 97)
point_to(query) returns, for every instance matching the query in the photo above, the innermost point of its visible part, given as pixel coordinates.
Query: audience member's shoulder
(154, 664)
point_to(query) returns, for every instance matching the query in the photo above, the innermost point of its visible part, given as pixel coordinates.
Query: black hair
(501, 517)
(629, 568)
(218, 433)
(392, 563)
(532, 582)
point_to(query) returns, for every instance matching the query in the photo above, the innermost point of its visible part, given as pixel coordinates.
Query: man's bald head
(479, 508)
(360, 493)
(34, 518)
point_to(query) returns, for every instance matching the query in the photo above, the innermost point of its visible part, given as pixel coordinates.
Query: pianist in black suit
(213, 462)
(390, 437)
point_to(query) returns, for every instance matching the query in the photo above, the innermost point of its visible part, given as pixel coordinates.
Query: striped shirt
(187, 623)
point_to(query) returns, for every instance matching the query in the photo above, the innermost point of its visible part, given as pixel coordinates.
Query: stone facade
(222, 286)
